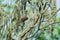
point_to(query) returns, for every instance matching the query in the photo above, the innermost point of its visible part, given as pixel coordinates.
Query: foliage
(29, 20)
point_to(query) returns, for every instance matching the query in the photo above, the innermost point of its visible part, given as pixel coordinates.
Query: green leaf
(4, 5)
(57, 19)
(58, 31)
(14, 20)
(26, 12)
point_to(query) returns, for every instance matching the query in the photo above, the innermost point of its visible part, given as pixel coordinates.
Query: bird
(21, 21)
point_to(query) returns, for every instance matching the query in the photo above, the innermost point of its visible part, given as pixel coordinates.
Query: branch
(54, 14)
(50, 24)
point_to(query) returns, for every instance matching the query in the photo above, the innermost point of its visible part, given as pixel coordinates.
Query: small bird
(21, 20)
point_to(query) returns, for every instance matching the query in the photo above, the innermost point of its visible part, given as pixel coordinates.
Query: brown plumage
(21, 20)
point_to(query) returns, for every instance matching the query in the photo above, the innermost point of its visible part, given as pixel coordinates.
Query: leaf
(57, 19)
(4, 5)
(14, 19)
(26, 12)
(58, 31)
